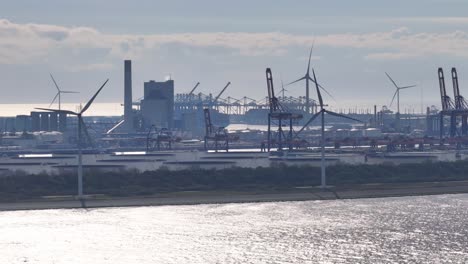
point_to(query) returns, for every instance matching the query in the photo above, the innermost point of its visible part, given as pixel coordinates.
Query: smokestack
(128, 113)
(375, 115)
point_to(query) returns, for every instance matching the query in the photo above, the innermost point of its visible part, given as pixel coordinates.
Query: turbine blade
(85, 130)
(318, 90)
(343, 116)
(300, 79)
(394, 95)
(391, 80)
(406, 87)
(57, 111)
(309, 121)
(53, 100)
(310, 56)
(92, 98)
(56, 86)
(69, 92)
(323, 89)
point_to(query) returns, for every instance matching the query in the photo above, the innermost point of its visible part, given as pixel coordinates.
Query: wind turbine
(397, 92)
(308, 78)
(59, 93)
(81, 125)
(283, 89)
(322, 113)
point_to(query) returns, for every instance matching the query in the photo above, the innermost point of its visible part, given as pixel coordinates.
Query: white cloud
(92, 49)
(434, 20)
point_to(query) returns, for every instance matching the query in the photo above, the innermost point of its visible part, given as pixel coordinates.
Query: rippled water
(432, 229)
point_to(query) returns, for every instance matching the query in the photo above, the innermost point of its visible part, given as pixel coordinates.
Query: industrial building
(183, 116)
(160, 107)
(157, 106)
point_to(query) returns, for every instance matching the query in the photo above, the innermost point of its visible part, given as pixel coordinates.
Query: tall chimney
(128, 113)
(375, 116)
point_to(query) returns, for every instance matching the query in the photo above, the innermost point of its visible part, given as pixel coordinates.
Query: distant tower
(128, 112)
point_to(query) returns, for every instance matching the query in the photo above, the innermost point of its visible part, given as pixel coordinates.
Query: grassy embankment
(19, 186)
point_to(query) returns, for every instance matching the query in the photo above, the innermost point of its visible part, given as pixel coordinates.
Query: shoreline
(304, 193)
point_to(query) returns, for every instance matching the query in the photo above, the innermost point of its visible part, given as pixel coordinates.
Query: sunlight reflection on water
(431, 229)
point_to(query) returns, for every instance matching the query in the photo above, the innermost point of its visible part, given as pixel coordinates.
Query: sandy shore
(293, 194)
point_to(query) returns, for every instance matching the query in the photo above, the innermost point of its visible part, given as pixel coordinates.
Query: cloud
(92, 49)
(402, 43)
(434, 20)
(389, 56)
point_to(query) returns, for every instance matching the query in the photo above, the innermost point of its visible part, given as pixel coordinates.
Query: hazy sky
(84, 42)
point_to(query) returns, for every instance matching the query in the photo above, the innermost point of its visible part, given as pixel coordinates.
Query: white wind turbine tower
(397, 92)
(81, 126)
(308, 78)
(322, 113)
(397, 95)
(59, 93)
(283, 89)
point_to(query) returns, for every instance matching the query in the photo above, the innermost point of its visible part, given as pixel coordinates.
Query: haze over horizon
(84, 43)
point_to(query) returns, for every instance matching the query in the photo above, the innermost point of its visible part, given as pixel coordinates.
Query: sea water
(426, 229)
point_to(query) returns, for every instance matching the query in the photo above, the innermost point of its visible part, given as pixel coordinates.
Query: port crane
(158, 139)
(456, 109)
(222, 91)
(216, 138)
(193, 90)
(278, 114)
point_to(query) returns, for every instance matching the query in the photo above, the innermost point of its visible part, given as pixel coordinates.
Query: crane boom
(460, 103)
(272, 100)
(222, 91)
(193, 90)
(440, 72)
(445, 99)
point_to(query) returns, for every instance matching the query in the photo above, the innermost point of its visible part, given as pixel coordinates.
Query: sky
(82, 43)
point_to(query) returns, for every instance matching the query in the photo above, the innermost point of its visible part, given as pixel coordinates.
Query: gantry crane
(280, 114)
(216, 138)
(456, 109)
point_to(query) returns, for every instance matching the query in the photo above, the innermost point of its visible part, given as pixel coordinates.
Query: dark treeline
(131, 182)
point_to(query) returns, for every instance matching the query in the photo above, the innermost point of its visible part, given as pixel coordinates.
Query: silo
(35, 121)
(62, 117)
(53, 122)
(44, 121)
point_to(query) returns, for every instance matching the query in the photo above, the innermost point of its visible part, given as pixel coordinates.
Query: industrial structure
(157, 106)
(454, 112)
(280, 115)
(162, 118)
(128, 121)
(216, 138)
